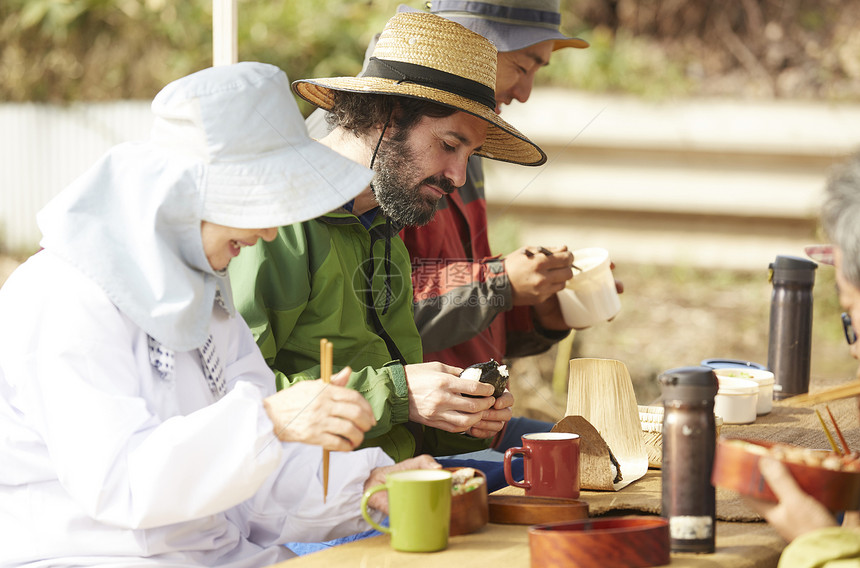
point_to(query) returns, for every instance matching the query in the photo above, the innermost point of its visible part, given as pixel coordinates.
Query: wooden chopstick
(545, 251)
(326, 354)
(846, 390)
(845, 449)
(827, 433)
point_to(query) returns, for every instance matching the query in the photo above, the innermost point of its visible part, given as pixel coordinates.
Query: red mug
(550, 465)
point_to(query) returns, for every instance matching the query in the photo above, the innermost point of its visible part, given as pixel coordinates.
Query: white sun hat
(228, 146)
(261, 167)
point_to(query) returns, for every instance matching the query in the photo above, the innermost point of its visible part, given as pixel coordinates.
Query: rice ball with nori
(491, 373)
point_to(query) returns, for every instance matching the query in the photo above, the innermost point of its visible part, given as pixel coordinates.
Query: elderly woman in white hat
(815, 537)
(139, 419)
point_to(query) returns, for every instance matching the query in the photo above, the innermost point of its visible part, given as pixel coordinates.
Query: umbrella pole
(224, 32)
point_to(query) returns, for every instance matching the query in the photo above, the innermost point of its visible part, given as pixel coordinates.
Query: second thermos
(790, 334)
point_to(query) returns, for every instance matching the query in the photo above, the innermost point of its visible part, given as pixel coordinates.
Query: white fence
(701, 183)
(44, 147)
(719, 183)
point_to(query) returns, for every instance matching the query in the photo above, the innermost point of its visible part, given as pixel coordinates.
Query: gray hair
(840, 214)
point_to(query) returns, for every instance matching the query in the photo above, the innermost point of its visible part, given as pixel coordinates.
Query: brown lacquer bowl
(469, 511)
(522, 510)
(626, 542)
(736, 467)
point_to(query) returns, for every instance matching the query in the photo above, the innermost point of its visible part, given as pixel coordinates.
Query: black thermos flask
(689, 443)
(790, 335)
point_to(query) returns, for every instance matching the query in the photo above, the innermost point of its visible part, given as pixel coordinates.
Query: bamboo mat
(798, 426)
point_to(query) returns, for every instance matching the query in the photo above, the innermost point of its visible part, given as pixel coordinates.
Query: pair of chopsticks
(545, 251)
(845, 449)
(326, 354)
(846, 390)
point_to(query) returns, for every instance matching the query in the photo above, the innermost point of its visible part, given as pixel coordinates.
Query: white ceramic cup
(590, 296)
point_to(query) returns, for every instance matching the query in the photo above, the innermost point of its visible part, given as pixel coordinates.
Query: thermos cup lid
(792, 269)
(689, 384)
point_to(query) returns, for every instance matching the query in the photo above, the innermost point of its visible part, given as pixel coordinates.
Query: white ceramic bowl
(764, 379)
(736, 400)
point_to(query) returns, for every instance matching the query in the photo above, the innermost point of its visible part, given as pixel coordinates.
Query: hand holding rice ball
(491, 373)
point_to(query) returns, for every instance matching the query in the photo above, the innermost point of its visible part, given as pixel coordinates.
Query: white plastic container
(736, 400)
(762, 377)
(590, 296)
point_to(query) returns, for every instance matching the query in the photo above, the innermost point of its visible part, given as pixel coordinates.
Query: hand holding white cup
(590, 296)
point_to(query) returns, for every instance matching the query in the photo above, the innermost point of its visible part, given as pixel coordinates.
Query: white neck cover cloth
(229, 146)
(132, 224)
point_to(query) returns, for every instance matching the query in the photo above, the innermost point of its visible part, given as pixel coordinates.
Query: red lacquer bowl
(736, 468)
(625, 542)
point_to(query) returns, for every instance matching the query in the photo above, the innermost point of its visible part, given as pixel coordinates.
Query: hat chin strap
(428, 77)
(388, 292)
(379, 142)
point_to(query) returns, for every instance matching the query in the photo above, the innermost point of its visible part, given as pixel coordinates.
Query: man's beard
(399, 199)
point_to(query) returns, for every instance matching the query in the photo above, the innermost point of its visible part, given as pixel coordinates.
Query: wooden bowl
(469, 511)
(522, 510)
(736, 468)
(623, 542)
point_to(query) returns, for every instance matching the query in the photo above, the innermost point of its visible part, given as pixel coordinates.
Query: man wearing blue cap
(471, 306)
(345, 276)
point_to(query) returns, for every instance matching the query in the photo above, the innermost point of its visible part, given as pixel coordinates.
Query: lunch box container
(736, 400)
(764, 378)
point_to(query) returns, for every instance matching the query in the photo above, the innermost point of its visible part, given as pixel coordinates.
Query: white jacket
(103, 461)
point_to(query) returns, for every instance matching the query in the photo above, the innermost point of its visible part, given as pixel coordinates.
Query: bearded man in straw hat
(470, 305)
(422, 107)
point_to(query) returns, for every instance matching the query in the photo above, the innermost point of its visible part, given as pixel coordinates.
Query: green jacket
(311, 283)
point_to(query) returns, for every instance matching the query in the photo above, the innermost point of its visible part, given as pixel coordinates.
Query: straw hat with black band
(424, 56)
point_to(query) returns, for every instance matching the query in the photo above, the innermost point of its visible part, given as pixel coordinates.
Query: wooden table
(739, 545)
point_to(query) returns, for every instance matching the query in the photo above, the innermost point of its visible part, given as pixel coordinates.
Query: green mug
(419, 509)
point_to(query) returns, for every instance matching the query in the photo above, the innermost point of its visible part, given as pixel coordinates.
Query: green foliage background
(66, 50)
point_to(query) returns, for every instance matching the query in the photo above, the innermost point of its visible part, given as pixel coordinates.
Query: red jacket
(463, 302)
